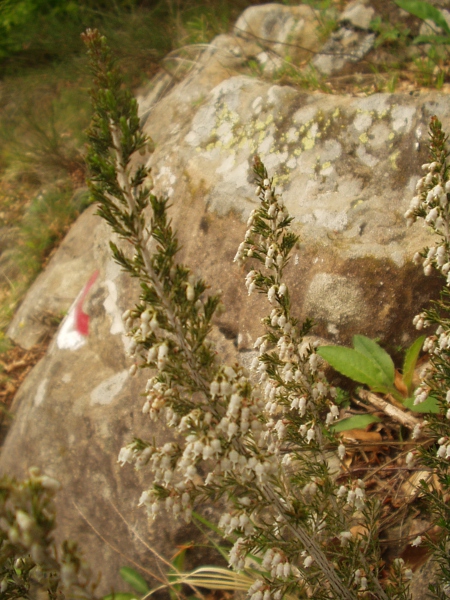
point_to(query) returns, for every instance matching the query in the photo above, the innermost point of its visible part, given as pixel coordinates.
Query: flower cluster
(431, 204)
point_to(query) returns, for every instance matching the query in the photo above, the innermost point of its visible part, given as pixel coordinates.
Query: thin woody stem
(124, 182)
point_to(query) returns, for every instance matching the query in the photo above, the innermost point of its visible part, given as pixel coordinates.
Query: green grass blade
(355, 365)
(424, 11)
(375, 353)
(409, 364)
(133, 578)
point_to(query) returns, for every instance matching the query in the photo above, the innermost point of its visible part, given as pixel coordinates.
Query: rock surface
(347, 168)
(56, 288)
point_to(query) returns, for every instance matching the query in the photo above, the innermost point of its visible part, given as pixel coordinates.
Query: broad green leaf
(430, 405)
(133, 578)
(120, 596)
(409, 364)
(374, 352)
(356, 422)
(424, 11)
(355, 365)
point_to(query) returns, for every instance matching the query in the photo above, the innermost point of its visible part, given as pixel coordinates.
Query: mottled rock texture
(347, 168)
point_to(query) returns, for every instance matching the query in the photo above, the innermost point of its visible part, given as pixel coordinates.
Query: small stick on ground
(389, 409)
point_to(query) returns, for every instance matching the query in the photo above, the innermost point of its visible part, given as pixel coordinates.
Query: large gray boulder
(347, 167)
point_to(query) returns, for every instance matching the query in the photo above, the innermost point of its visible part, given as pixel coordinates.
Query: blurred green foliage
(36, 32)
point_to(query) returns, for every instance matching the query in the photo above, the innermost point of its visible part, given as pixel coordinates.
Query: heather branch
(116, 124)
(140, 244)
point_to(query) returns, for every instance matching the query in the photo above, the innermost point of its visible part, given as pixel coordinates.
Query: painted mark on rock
(75, 328)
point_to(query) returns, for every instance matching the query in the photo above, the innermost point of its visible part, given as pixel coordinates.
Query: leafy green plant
(371, 365)
(308, 77)
(432, 67)
(426, 11)
(428, 53)
(366, 363)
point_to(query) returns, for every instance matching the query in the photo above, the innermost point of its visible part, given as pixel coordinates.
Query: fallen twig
(389, 409)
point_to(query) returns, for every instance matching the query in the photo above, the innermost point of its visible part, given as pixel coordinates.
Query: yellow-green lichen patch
(393, 159)
(364, 138)
(356, 202)
(281, 179)
(248, 143)
(261, 125)
(309, 140)
(327, 169)
(225, 114)
(230, 134)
